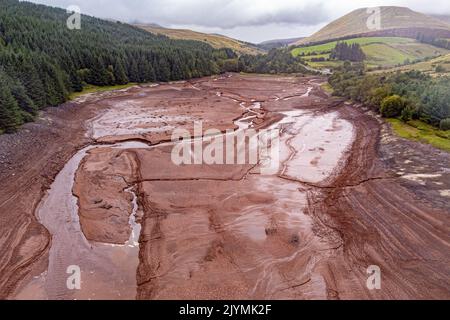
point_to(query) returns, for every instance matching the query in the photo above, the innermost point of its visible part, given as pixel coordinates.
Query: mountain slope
(215, 40)
(442, 17)
(395, 21)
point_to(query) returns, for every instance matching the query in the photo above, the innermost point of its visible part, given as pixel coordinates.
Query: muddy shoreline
(52, 140)
(24, 185)
(324, 227)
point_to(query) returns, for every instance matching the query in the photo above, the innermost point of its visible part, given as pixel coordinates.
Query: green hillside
(380, 51)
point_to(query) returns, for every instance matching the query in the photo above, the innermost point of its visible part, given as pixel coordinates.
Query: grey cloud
(309, 15)
(250, 20)
(204, 13)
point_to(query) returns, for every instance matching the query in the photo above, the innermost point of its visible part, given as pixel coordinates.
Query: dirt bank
(381, 218)
(29, 162)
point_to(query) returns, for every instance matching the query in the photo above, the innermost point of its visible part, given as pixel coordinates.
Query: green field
(422, 132)
(380, 51)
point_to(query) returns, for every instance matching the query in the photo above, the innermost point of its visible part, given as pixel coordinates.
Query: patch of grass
(325, 64)
(385, 55)
(92, 89)
(327, 88)
(422, 132)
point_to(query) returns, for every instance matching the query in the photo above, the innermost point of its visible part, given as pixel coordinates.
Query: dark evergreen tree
(10, 117)
(120, 74)
(46, 61)
(276, 61)
(423, 96)
(348, 52)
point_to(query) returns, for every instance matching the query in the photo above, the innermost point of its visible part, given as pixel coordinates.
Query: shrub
(445, 124)
(407, 114)
(443, 134)
(378, 94)
(392, 106)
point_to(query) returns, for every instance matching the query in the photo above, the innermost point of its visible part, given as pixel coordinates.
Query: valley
(140, 160)
(140, 227)
(215, 40)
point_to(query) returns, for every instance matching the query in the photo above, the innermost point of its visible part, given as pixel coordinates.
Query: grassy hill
(215, 40)
(395, 21)
(380, 51)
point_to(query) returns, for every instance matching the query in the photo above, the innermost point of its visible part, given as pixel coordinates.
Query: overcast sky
(249, 20)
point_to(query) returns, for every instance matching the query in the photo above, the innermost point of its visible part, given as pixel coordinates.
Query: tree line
(434, 41)
(408, 95)
(42, 61)
(348, 52)
(275, 62)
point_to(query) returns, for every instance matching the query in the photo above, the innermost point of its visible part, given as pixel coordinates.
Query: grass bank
(422, 132)
(93, 89)
(327, 88)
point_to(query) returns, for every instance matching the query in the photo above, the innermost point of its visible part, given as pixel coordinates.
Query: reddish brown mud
(346, 195)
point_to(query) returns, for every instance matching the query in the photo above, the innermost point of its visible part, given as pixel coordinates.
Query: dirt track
(348, 195)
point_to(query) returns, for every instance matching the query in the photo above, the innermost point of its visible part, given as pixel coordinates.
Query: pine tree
(29, 109)
(120, 74)
(164, 69)
(133, 74)
(10, 117)
(346, 52)
(29, 77)
(76, 82)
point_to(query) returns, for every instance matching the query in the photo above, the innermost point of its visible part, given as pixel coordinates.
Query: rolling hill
(395, 21)
(435, 67)
(278, 43)
(380, 52)
(215, 40)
